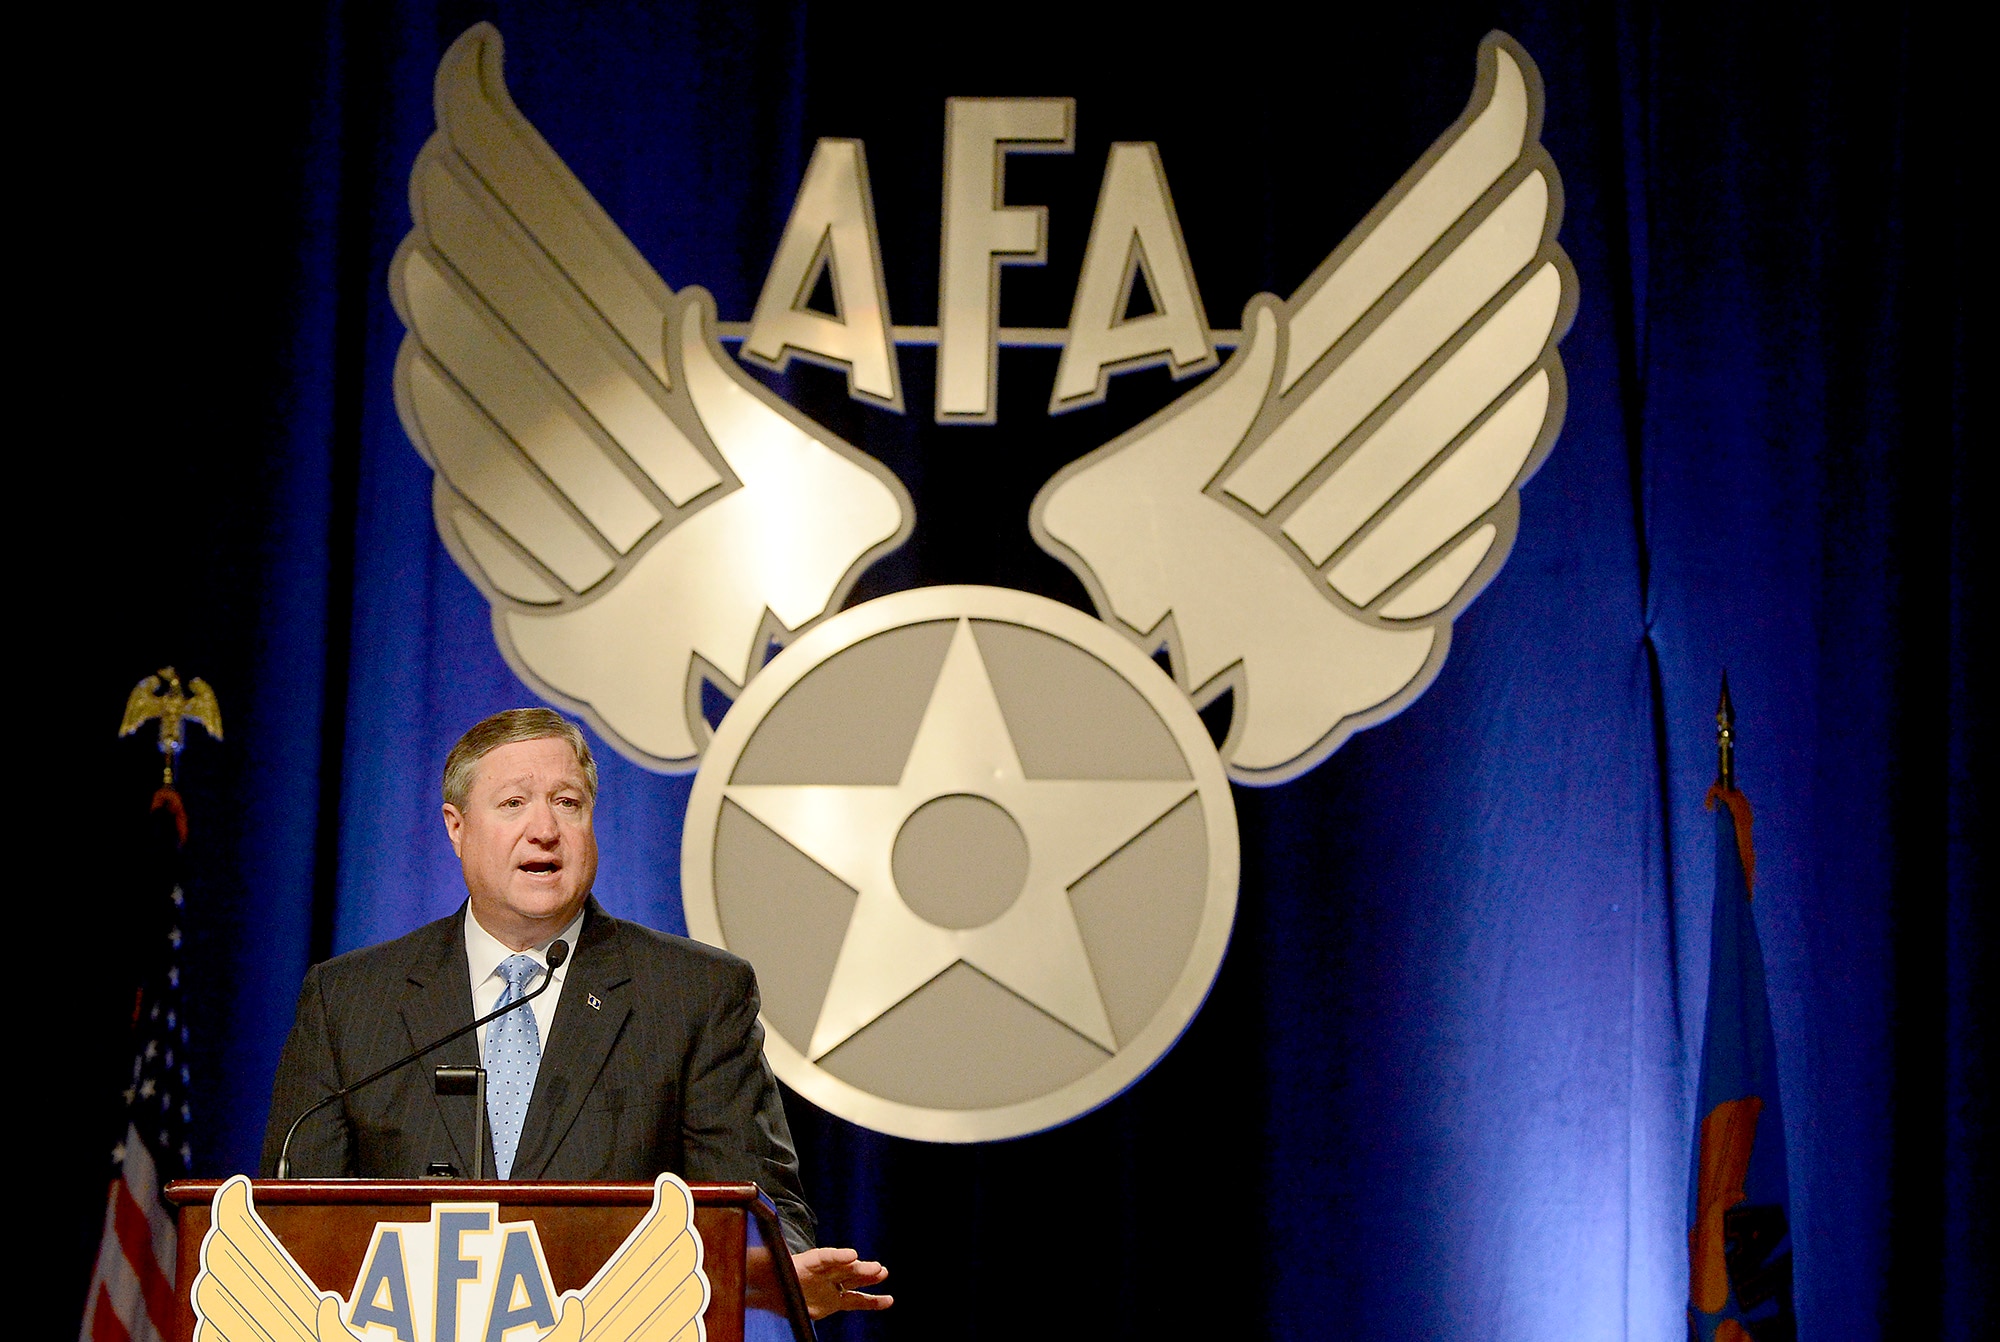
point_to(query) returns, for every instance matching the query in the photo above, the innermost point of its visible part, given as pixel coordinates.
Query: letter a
(384, 1294)
(520, 1292)
(832, 228)
(1135, 238)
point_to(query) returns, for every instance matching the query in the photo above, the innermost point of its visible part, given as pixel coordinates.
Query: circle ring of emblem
(1208, 927)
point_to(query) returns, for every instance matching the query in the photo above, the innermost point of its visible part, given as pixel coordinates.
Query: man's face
(525, 842)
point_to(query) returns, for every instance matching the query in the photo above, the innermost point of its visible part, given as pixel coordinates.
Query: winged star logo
(1299, 530)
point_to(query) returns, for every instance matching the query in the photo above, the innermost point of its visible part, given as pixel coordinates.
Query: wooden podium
(326, 1224)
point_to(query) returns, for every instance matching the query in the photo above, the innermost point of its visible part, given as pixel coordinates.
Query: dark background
(1443, 1086)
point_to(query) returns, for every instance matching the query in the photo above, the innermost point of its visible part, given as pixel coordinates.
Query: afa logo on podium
(979, 845)
(462, 1275)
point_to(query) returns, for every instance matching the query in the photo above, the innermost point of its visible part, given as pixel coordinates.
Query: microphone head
(558, 952)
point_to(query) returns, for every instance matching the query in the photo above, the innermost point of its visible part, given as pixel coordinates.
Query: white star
(1033, 947)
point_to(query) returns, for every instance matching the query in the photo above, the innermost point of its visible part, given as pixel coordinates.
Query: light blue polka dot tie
(513, 1056)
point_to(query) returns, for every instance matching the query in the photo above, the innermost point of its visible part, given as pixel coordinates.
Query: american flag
(132, 1291)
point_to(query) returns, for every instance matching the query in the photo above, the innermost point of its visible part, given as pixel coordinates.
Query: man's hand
(829, 1278)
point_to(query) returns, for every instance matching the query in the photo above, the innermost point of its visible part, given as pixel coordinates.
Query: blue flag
(1739, 1226)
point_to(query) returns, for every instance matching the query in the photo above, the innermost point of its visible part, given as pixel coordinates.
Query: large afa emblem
(979, 845)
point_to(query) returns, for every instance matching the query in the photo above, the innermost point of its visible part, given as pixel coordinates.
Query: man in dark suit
(654, 1059)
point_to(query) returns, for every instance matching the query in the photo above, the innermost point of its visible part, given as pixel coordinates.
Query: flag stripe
(105, 1325)
(115, 1287)
(135, 1236)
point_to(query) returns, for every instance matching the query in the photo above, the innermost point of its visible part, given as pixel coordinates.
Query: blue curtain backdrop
(1444, 1085)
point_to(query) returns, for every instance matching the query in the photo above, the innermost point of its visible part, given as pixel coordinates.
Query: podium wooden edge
(181, 1194)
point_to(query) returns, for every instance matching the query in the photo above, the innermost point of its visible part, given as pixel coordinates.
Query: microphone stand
(558, 955)
(468, 1081)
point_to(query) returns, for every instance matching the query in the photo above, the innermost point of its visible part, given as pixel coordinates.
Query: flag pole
(131, 1294)
(1725, 740)
(1724, 790)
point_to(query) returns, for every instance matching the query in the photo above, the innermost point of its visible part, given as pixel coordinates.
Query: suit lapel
(580, 1039)
(438, 1000)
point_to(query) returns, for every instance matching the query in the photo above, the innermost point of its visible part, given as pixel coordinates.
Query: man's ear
(454, 827)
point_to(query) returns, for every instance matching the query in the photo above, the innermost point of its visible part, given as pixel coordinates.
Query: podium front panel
(326, 1225)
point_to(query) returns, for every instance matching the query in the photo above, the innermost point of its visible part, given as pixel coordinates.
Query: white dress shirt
(484, 955)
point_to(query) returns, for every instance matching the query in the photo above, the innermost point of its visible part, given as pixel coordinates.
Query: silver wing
(1303, 528)
(639, 512)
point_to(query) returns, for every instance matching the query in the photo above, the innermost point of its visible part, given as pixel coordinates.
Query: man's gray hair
(461, 767)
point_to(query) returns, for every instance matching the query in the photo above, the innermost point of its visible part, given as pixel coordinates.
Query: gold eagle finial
(161, 696)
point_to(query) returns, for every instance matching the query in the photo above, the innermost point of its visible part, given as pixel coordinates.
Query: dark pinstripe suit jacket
(666, 1072)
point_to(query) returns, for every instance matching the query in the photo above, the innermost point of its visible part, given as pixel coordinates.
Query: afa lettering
(832, 234)
(383, 1297)
(831, 242)
(453, 1267)
(1135, 239)
(487, 1280)
(980, 235)
(521, 1292)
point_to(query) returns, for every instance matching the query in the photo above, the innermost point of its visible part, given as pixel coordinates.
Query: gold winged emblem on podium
(251, 1289)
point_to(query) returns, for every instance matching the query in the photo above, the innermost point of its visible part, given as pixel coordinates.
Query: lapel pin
(596, 1003)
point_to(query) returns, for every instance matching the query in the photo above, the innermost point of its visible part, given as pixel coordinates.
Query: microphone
(557, 955)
